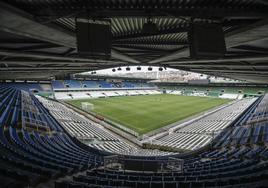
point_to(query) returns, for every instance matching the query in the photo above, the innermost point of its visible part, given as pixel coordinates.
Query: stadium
(133, 94)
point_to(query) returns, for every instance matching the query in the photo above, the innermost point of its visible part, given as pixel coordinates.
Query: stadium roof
(37, 38)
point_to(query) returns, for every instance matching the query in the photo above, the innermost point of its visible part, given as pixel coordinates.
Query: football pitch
(149, 112)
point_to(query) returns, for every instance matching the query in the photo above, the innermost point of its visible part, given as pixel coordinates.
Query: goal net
(87, 106)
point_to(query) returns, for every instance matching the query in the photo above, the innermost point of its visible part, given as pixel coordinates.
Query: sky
(132, 70)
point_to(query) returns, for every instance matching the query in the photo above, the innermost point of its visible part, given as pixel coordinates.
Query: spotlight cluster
(138, 68)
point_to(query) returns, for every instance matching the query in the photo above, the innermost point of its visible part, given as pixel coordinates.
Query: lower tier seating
(35, 148)
(91, 133)
(29, 154)
(199, 133)
(228, 162)
(69, 95)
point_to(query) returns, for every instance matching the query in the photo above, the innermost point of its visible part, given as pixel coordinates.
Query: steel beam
(224, 60)
(232, 71)
(73, 63)
(247, 34)
(149, 42)
(118, 55)
(146, 11)
(230, 66)
(183, 28)
(184, 52)
(162, 31)
(15, 21)
(39, 55)
(18, 22)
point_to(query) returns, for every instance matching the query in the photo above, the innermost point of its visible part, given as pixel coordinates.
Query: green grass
(146, 113)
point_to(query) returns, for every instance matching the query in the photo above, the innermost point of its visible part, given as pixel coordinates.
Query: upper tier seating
(105, 84)
(75, 89)
(72, 83)
(76, 84)
(128, 84)
(218, 91)
(57, 84)
(90, 84)
(23, 86)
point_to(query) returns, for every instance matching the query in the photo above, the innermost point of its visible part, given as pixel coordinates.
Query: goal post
(86, 106)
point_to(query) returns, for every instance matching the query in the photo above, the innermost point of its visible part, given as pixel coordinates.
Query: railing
(102, 89)
(102, 121)
(36, 125)
(130, 131)
(121, 162)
